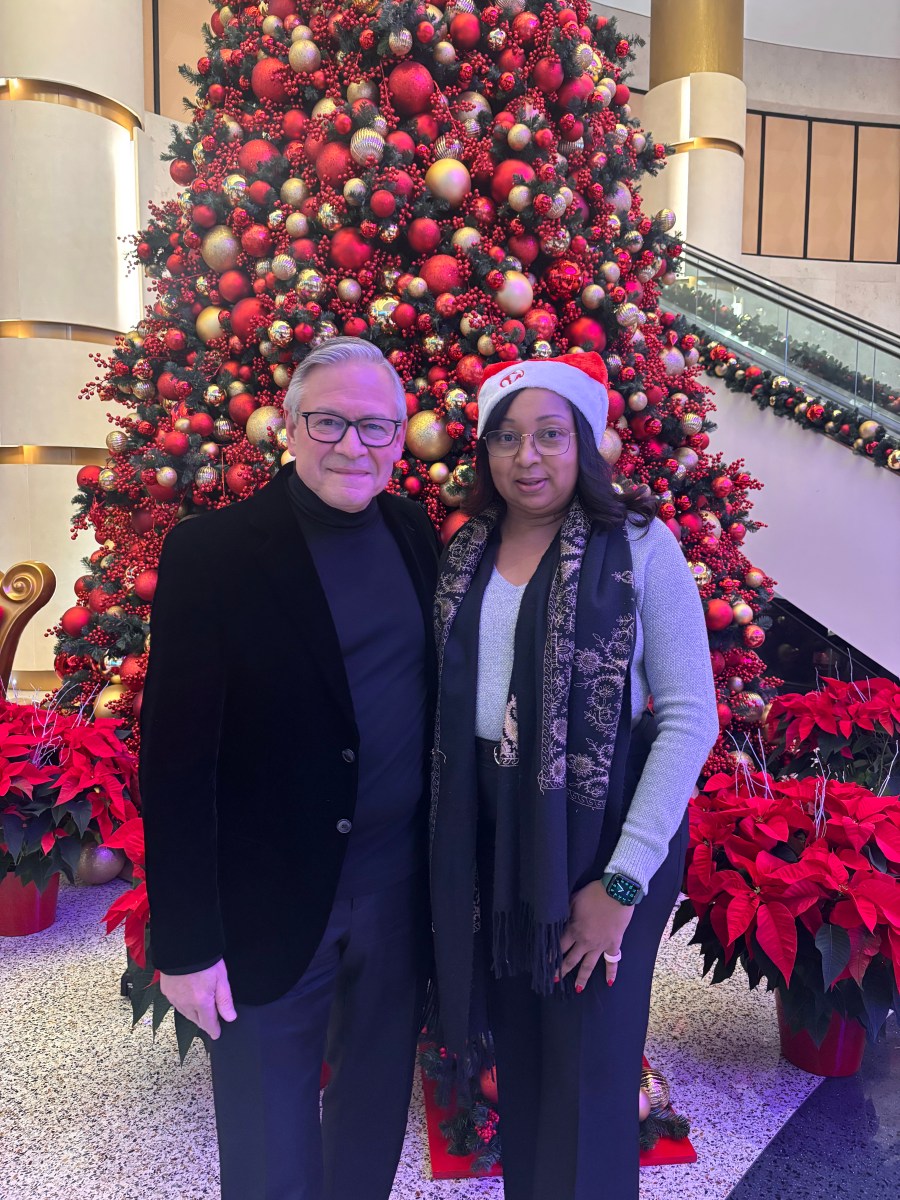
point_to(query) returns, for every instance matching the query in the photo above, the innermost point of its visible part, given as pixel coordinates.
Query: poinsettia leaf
(684, 914)
(81, 814)
(185, 1033)
(877, 997)
(776, 933)
(70, 850)
(887, 838)
(13, 833)
(833, 943)
(741, 912)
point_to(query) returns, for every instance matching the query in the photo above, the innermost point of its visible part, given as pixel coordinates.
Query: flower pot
(23, 909)
(839, 1055)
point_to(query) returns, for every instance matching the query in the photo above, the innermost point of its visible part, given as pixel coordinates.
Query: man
(284, 732)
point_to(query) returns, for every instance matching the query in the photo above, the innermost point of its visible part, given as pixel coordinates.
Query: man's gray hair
(333, 353)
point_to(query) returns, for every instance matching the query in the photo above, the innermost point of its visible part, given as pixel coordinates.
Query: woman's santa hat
(579, 378)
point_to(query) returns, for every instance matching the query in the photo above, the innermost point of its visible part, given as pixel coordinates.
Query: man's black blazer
(248, 740)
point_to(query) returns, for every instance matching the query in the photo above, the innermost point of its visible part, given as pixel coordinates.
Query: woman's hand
(596, 926)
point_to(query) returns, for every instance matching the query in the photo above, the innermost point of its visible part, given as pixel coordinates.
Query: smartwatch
(621, 888)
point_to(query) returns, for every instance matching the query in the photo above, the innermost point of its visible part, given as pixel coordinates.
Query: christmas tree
(457, 184)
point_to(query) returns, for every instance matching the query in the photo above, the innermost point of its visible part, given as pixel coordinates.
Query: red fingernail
(610, 982)
(556, 979)
(579, 988)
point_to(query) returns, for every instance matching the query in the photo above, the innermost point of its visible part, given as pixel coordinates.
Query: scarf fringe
(523, 946)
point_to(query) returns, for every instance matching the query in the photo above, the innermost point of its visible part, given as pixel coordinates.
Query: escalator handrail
(834, 318)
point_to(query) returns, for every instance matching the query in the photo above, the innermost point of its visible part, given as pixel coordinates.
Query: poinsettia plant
(132, 911)
(848, 730)
(64, 780)
(798, 881)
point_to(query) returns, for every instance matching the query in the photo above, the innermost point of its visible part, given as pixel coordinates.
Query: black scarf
(564, 744)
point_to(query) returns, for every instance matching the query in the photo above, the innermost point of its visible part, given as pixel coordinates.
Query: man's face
(346, 474)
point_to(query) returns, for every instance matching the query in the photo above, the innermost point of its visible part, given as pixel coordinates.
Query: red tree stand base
(840, 1054)
(445, 1165)
(25, 910)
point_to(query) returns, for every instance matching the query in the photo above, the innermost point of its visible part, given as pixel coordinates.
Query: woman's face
(535, 486)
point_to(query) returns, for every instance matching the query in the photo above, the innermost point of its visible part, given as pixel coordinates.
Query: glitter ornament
(427, 437)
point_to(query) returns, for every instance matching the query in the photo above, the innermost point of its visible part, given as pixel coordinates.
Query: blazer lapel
(293, 583)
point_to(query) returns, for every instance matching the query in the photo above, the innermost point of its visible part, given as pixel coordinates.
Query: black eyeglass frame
(348, 425)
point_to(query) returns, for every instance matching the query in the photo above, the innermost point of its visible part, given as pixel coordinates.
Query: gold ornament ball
(167, 477)
(349, 291)
(109, 694)
(355, 191)
(235, 188)
(220, 248)
(294, 191)
(366, 147)
(400, 42)
(99, 864)
(447, 147)
(610, 272)
(541, 349)
(754, 577)
(497, 39)
(283, 266)
(361, 89)
(280, 333)
(643, 1105)
(234, 131)
(749, 706)
(304, 57)
(281, 373)
(868, 430)
(223, 429)
(519, 136)
(466, 238)
(451, 495)
(700, 572)
(485, 346)
(116, 441)
(610, 446)
(389, 233)
(417, 287)
(297, 225)
(666, 219)
(107, 480)
(328, 216)
(743, 613)
(381, 310)
(434, 344)
(262, 423)
(301, 33)
(628, 314)
(449, 179)
(893, 460)
(143, 389)
(519, 197)
(655, 1084)
(439, 472)
(324, 107)
(207, 323)
(691, 423)
(205, 476)
(214, 395)
(637, 401)
(515, 295)
(445, 53)
(310, 284)
(672, 360)
(456, 398)
(593, 296)
(426, 437)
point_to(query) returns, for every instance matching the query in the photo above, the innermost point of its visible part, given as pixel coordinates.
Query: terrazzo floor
(90, 1110)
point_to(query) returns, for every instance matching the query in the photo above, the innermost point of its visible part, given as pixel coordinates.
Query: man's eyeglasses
(503, 443)
(371, 431)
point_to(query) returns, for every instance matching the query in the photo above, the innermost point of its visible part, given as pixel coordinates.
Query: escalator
(832, 517)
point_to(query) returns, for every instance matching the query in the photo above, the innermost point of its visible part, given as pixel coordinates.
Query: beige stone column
(71, 100)
(698, 102)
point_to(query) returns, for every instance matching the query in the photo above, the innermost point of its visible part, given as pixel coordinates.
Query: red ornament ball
(334, 163)
(423, 235)
(267, 80)
(349, 250)
(74, 621)
(442, 273)
(383, 202)
(233, 286)
(410, 86)
(454, 521)
(257, 240)
(239, 478)
(145, 585)
(725, 715)
(547, 74)
(465, 31)
(718, 615)
(586, 333)
(240, 408)
(254, 154)
(246, 317)
(182, 171)
(88, 476)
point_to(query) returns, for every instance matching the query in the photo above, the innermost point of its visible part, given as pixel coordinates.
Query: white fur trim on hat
(588, 395)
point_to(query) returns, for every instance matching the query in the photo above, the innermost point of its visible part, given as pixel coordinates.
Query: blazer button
(348, 756)
(344, 826)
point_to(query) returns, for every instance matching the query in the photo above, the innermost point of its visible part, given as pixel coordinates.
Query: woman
(559, 801)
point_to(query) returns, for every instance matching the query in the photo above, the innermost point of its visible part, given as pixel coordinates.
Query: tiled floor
(92, 1111)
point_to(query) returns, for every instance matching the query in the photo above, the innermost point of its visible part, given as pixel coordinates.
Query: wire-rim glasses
(371, 431)
(552, 439)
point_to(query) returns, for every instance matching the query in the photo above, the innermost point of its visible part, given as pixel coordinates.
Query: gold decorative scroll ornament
(24, 589)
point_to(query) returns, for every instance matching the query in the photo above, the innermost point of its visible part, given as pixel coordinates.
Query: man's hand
(596, 925)
(202, 997)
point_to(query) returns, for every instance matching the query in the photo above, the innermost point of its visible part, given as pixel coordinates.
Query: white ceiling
(869, 27)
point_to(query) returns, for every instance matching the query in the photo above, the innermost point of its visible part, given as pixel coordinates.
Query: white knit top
(671, 664)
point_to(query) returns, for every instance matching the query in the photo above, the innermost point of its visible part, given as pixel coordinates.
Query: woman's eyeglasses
(502, 443)
(371, 431)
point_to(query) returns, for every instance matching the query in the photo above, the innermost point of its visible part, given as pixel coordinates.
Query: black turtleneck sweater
(382, 637)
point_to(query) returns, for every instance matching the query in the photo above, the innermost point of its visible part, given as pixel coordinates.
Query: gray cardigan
(671, 664)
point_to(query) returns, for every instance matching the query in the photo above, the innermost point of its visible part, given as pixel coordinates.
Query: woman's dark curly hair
(602, 504)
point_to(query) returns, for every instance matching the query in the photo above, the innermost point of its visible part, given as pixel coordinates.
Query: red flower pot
(839, 1055)
(23, 909)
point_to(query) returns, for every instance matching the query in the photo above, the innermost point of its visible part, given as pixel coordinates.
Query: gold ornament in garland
(207, 323)
(220, 249)
(108, 696)
(427, 437)
(262, 423)
(449, 179)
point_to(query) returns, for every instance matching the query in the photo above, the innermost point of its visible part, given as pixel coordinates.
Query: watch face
(622, 889)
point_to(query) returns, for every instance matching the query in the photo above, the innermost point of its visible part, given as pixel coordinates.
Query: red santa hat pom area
(579, 378)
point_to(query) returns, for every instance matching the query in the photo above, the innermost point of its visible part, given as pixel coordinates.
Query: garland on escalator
(844, 423)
